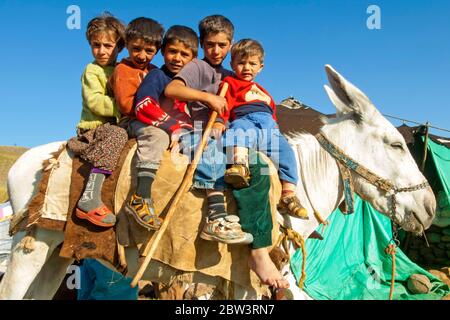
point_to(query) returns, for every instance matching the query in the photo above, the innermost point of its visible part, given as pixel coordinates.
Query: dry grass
(8, 155)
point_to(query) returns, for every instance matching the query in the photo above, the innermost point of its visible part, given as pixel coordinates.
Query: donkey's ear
(349, 95)
(341, 108)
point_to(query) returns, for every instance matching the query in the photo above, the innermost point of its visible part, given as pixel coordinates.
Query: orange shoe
(101, 216)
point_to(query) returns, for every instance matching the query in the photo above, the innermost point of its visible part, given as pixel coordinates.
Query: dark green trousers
(254, 205)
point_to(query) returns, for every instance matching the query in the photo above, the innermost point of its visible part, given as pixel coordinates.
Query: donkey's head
(366, 136)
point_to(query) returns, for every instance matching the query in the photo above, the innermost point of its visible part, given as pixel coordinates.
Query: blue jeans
(260, 132)
(211, 168)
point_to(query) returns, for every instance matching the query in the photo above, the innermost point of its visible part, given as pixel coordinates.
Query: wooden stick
(149, 250)
(425, 149)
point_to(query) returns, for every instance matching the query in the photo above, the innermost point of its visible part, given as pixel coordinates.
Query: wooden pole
(425, 148)
(151, 245)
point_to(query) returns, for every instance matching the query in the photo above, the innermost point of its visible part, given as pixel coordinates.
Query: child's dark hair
(215, 24)
(107, 23)
(182, 34)
(245, 48)
(147, 29)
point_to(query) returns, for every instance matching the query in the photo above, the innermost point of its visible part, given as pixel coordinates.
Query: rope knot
(288, 234)
(391, 249)
(52, 163)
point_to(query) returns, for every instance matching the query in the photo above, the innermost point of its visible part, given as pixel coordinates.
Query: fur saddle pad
(52, 207)
(83, 239)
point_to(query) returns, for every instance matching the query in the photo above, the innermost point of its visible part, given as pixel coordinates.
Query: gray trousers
(151, 143)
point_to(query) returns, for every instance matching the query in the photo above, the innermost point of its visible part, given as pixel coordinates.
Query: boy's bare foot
(260, 262)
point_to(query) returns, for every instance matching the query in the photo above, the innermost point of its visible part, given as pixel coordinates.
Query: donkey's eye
(397, 145)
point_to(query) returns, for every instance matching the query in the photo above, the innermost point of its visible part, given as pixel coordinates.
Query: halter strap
(348, 189)
(346, 163)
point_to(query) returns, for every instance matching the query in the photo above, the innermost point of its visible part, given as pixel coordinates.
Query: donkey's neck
(319, 188)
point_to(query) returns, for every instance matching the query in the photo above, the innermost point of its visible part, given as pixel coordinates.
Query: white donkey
(359, 131)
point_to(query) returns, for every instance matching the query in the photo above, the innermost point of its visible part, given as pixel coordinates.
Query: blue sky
(404, 67)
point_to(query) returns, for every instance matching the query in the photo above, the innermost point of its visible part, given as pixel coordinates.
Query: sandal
(238, 176)
(144, 213)
(101, 216)
(291, 205)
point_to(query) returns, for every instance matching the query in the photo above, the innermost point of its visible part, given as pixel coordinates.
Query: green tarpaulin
(440, 155)
(350, 263)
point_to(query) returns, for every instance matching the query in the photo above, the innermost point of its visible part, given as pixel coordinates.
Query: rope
(53, 163)
(298, 242)
(28, 243)
(320, 219)
(415, 122)
(391, 249)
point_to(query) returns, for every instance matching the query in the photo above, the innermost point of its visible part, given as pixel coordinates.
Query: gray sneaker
(226, 230)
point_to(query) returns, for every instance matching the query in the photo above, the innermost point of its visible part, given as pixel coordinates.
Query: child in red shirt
(252, 112)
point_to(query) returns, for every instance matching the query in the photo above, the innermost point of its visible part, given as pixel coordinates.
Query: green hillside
(8, 155)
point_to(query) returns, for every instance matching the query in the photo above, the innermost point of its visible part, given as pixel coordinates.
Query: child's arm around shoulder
(93, 87)
(177, 89)
(186, 86)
